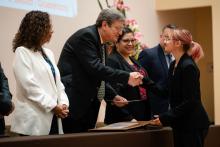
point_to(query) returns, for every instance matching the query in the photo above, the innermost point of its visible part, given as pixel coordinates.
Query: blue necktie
(169, 59)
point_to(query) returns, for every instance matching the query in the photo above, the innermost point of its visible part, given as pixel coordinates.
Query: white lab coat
(37, 93)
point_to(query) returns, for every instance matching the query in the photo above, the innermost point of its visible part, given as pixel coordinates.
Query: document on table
(122, 126)
(129, 101)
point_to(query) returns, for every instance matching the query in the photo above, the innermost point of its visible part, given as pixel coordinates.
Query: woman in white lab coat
(40, 97)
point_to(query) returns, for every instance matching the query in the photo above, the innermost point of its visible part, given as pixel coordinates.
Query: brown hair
(169, 26)
(33, 31)
(184, 36)
(196, 51)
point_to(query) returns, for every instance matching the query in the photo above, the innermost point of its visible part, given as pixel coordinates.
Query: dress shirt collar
(100, 37)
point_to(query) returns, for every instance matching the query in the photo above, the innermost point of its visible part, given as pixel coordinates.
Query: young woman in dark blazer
(120, 59)
(186, 116)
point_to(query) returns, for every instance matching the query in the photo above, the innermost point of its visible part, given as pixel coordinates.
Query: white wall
(216, 54)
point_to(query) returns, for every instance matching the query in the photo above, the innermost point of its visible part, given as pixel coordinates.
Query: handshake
(135, 79)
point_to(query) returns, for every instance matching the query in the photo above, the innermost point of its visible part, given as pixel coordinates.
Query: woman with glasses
(186, 115)
(135, 105)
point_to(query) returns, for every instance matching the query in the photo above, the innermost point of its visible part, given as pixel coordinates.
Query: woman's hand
(61, 111)
(156, 122)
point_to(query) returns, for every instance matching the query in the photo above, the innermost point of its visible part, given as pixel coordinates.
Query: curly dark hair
(33, 31)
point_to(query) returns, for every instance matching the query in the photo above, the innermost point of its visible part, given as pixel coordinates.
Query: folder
(122, 126)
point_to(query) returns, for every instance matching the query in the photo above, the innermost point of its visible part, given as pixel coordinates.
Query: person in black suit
(186, 116)
(120, 59)
(6, 105)
(156, 63)
(82, 70)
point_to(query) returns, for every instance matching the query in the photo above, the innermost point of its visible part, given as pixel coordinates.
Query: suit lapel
(162, 59)
(98, 40)
(48, 68)
(124, 62)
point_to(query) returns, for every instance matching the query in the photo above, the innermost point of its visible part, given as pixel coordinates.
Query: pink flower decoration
(130, 22)
(121, 6)
(138, 35)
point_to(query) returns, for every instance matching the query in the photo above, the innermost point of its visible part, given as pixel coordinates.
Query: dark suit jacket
(187, 110)
(80, 63)
(154, 61)
(5, 99)
(135, 110)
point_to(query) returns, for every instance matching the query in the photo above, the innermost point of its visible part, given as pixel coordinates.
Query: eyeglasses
(167, 38)
(127, 41)
(117, 28)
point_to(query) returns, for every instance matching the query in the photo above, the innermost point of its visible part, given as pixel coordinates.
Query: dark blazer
(136, 110)
(154, 62)
(187, 110)
(5, 99)
(80, 65)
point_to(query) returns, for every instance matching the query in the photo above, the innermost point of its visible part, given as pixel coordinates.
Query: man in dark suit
(6, 105)
(82, 70)
(156, 62)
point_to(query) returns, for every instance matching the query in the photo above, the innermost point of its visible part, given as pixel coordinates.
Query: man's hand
(120, 101)
(135, 79)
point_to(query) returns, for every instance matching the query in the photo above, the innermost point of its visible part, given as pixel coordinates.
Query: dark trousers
(189, 138)
(54, 126)
(2, 126)
(86, 122)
